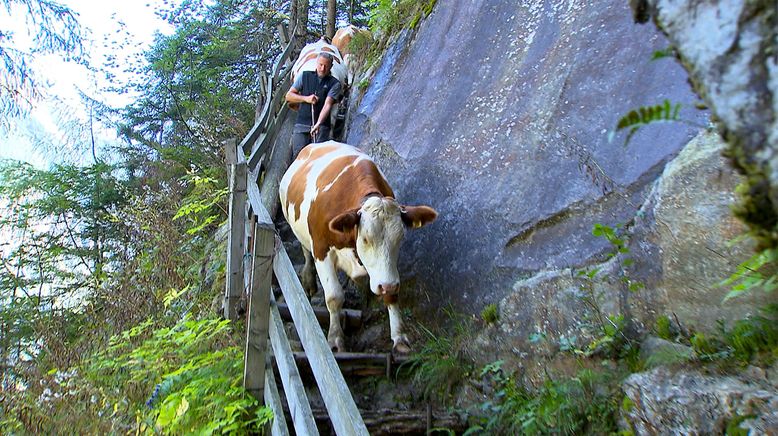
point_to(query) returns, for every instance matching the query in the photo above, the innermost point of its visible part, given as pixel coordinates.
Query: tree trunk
(291, 31)
(332, 14)
(351, 12)
(301, 30)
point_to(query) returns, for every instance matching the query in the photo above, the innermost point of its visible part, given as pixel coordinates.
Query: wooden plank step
(358, 363)
(353, 318)
(405, 422)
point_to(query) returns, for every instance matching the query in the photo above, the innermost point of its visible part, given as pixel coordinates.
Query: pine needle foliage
(54, 29)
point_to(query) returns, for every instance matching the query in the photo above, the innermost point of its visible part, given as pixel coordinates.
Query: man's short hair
(327, 56)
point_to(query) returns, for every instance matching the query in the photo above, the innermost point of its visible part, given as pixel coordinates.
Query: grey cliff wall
(730, 49)
(497, 115)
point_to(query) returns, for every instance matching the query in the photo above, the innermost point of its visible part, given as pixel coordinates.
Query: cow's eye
(364, 241)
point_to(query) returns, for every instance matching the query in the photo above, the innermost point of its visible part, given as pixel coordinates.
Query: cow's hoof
(337, 345)
(401, 347)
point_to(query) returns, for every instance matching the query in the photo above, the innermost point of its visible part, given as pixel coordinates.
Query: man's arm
(294, 96)
(325, 112)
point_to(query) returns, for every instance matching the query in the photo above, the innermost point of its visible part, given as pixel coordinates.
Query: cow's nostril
(388, 289)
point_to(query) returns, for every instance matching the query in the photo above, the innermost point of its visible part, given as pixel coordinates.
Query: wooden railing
(251, 227)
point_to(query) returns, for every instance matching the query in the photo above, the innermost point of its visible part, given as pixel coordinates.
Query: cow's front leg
(333, 295)
(401, 343)
(308, 274)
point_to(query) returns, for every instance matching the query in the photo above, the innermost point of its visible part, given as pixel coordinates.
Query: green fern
(179, 380)
(666, 52)
(646, 115)
(751, 275)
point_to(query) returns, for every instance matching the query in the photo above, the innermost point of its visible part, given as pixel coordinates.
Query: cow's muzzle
(388, 289)
(389, 293)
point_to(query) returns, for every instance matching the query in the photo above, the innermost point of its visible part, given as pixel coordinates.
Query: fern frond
(752, 274)
(645, 115)
(666, 52)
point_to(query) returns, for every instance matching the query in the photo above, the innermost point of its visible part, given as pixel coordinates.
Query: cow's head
(378, 228)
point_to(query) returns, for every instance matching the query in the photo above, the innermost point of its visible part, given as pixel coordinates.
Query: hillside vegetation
(112, 271)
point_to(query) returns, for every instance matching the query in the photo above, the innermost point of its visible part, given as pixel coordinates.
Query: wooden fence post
(230, 155)
(235, 244)
(259, 309)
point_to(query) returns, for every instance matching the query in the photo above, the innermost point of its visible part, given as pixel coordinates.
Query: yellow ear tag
(416, 224)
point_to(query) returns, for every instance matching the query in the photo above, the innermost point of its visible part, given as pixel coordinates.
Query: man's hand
(311, 99)
(315, 130)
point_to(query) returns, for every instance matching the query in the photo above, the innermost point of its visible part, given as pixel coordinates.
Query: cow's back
(322, 183)
(307, 60)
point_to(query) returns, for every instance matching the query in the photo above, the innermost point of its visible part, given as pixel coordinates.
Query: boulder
(680, 243)
(683, 242)
(664, 401)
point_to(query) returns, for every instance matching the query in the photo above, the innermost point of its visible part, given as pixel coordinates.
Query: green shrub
(360, 42)
(701, 344)
(490, 314)
(663, 328)
(753, 336)
(443, 362)
(585, 404)
(733, 427)
(182, 379)
(389, 16)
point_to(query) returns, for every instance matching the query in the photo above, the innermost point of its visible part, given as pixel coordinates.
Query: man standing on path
(320, 91)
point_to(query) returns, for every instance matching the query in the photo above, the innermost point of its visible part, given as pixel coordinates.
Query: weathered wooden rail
(254, 256)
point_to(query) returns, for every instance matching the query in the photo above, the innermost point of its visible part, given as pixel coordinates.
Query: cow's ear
(345, 222)
(417, 216)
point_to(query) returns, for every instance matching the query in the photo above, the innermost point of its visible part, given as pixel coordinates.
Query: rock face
(680, 244)
(497, 114)
(729, 48)
(682, 241)
(506, 136)
(689, 402)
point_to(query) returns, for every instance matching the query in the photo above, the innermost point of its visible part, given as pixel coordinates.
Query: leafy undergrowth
(440, 365)
(749, 341)
(386, 19)
(184, 379)
(587, 403)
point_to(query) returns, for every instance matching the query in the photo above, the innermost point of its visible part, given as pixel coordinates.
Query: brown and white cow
(341, 40)
(306, 61)
(343, 212)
